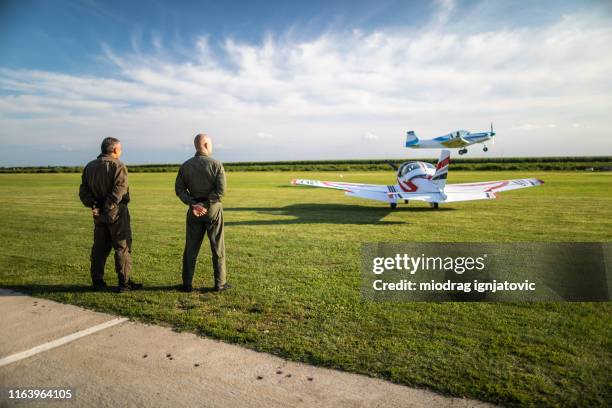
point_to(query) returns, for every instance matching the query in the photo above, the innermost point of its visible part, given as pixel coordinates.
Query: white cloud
(316, 95)
(263, 135)
(531, 126)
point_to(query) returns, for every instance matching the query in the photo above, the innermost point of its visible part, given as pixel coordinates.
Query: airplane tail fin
(411, 138)
(439, 178)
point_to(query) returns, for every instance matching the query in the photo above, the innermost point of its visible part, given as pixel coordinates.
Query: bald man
(200, 183)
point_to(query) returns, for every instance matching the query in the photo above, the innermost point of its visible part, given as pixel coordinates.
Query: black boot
(129, 286)
(223, 287)
(99, 285)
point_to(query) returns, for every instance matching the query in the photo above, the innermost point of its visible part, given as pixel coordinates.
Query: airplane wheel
(393, 205)
(434, 206)
(485, 149)
(462, 151)
(406, 201)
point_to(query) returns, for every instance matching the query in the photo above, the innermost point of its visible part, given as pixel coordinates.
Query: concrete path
(136, 365)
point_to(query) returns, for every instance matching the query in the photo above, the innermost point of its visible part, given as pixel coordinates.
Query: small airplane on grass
(422, 181)
(457, 139)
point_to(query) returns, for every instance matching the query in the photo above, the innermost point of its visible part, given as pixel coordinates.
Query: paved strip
(26, 322)
(134, 364)
(59, 342)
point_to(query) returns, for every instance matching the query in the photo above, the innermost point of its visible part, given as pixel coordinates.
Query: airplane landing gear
(393, 205)
(485, 149)
(462, 151)
(434, 205)
(406, 201)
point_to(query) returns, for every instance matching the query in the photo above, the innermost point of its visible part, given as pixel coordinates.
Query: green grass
(293, 256)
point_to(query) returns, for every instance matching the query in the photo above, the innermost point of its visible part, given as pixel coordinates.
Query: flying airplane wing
(485, 190)
(455, 142)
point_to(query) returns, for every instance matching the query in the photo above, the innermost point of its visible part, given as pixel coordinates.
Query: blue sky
(300, 80)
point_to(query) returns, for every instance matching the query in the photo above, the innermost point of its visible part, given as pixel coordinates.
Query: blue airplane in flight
(457, 139)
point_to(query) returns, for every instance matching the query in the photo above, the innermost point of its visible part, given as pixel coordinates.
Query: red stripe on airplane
(409, 187)
(502, 184)
(443, 163)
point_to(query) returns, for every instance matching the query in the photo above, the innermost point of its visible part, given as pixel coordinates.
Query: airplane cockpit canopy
(459, 133)
(407, 168)
(411, 166)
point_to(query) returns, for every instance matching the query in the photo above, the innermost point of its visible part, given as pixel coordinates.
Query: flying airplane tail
(439, 177)
(411, 138)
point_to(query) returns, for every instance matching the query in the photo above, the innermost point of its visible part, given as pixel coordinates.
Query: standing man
(104, 188)
(200, 183)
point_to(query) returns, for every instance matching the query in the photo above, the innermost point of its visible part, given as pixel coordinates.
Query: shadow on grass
(328, 214)
(37, 289)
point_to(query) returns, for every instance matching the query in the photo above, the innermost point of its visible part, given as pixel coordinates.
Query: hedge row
(602, 163)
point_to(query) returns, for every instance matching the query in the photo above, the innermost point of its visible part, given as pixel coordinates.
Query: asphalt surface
(138, 365)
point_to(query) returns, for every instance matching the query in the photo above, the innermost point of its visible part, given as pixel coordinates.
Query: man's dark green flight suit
(201, 179)
(104, 185)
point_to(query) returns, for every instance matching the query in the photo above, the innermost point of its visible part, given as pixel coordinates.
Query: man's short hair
(108, 145)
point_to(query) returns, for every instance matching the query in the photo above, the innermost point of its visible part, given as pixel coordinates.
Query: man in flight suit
(104, 189)
(200, 183)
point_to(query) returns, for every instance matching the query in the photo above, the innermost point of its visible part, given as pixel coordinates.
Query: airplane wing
(451, 193)
(378, 192)
(341, 186)
(485, 190)
(394, 196)
(369, 191)
(455, 142)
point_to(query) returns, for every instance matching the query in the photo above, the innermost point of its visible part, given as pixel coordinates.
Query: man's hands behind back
(198, 209)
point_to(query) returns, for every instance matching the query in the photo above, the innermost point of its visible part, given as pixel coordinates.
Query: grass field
(293, 257)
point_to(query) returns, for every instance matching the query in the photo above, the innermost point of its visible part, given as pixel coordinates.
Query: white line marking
(59, 342)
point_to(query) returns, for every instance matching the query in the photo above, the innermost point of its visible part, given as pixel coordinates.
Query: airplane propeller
(492, 134)
(393, 165)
